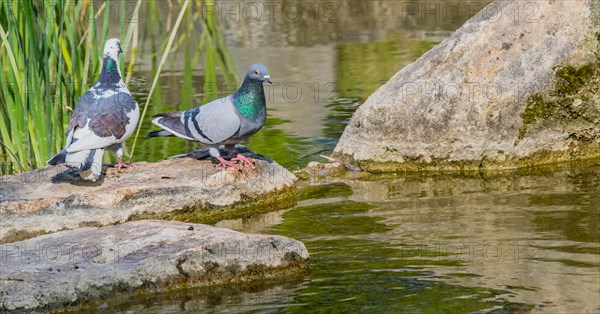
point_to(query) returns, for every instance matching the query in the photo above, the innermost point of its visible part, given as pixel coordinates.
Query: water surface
(514, 242)
(520, 241)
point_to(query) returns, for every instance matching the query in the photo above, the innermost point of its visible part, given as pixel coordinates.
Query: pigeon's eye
(255, 72)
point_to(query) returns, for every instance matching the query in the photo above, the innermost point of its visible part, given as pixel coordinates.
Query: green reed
(51, 53)
(211, 46)
(49, 56)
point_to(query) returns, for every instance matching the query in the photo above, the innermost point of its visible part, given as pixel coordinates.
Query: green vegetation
(571, 104)
(571, 79)
(51, 53)
(45, 67)
(211, 44)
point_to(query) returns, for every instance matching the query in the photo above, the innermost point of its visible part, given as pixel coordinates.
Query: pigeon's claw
(224, 163)
(122, 165)
(243, 159)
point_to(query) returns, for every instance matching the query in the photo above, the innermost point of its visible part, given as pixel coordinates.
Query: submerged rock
(91, 264)
(505, 90)
(55, 198)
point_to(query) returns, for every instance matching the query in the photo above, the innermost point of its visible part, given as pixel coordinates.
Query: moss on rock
(246, 207)
(572, 102)
(570, 106)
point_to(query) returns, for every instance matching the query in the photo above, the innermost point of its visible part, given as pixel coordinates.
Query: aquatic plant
(50, 54)
(211, 44)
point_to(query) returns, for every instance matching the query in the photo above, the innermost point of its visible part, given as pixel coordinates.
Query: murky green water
(518, 241)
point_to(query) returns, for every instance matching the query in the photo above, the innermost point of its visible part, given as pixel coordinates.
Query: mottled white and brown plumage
(104, 117)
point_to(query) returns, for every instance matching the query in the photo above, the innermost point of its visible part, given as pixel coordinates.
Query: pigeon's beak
(120, 49)
(268, 78)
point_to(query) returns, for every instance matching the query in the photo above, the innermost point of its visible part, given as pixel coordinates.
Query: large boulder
(518, 84)
(54, 198)
(91, 264)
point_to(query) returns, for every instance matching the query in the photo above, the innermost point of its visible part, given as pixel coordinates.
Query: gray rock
(516, 85)
(54, 198)
(91, 264)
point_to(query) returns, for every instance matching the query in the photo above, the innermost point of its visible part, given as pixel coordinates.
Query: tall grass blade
(50, 50)
(157, 75)
(131, 40)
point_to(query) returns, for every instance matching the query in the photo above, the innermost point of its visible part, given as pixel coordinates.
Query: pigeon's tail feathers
(159, 133)
(176, 114)
(59, 158)
(86, 160)
(171, 124)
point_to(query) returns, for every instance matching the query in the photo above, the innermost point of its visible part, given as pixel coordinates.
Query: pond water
(519, 241)
(515, 242)
(322, 68)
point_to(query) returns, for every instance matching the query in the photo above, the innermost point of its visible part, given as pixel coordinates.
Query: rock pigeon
(104, 117)
(226, 121)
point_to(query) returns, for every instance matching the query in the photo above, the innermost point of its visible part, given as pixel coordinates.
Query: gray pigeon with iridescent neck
(104, 117)
(226, 121)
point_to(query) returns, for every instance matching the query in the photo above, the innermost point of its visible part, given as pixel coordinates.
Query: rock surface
(90, 264)
(518, 84)
(54, 198)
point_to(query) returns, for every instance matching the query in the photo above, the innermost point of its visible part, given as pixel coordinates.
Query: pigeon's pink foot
(224, 163)
(122, 165)
(243, 159)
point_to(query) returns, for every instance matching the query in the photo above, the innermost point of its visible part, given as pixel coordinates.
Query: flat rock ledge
(186, 189)
(85, 266)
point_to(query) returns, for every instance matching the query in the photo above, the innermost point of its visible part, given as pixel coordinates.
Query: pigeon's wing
(98, 122)
(212, 123)
(171, 122)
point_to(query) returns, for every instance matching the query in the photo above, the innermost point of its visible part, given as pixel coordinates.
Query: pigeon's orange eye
(255, 72)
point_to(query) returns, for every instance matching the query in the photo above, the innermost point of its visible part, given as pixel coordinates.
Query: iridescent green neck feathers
(250, 99)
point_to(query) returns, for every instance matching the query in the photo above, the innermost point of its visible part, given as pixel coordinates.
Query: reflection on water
(533, 234)
(509, 242)
(451, 243)
(309, 103)
(512, 242)
(322, 68)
